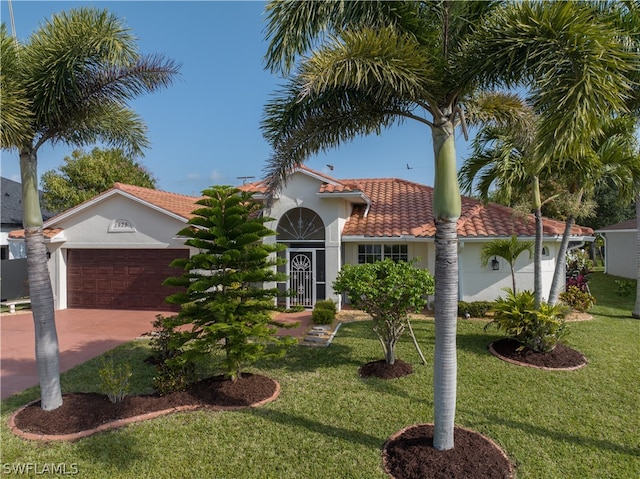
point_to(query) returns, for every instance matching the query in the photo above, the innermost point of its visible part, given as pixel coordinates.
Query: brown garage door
(120, 279)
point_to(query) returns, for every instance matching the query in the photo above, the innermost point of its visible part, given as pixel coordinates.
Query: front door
(301, 277)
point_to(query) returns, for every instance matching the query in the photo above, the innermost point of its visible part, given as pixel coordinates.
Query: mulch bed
(562, 357)
(86, 411)
(410, 454)
(380, 369)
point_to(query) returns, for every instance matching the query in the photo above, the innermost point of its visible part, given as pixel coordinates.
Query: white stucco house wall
(113, 250)
(621, 249)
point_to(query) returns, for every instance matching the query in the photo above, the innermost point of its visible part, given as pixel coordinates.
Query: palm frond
(16, 120)
(294, 27)
(571, 58)
(298, 128)
(109, 123)
(380, 62)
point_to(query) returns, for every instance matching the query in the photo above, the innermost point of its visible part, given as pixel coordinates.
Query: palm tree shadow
(558, 435)
(316, 427)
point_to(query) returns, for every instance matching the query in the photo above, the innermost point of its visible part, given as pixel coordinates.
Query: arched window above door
(300, 224)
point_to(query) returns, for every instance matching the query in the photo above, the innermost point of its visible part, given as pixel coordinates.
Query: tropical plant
(225, 301)
(538, 329)
(85, 175)
(578, 299)
(579, 267)
(564, 52)
(389, 291)
(509, 250)
(69, 83)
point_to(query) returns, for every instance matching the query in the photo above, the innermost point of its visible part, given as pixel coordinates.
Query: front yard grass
(329, 423)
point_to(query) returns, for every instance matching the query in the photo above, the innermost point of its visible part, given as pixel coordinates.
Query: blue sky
(205, 129)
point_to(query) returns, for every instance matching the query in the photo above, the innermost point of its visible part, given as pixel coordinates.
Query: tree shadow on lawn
(476, 343)
(116, 450)
(328, 430)
(301, 359)
(561, 436)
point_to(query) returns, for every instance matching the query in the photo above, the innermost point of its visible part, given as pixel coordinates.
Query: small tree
(388, 291)
(509, 249)
(85, 175)
(225, 300)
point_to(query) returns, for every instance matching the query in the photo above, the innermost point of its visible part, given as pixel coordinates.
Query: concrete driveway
(82, 334)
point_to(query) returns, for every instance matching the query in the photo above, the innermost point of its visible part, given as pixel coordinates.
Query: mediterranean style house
(113, 251)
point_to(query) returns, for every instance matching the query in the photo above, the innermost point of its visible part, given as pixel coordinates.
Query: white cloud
(216, 175)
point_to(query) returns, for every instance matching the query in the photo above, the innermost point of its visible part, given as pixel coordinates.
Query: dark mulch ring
(380, 369)
(410, 455)
(562, 357)
(86, 411)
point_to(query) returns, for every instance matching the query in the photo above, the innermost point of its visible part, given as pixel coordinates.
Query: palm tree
(509, 249)
(503, 156)
(70, 83)
(579, 66)
(380, 64)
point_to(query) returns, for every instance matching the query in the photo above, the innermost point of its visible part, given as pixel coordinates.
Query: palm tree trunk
(40, 291)
(445, 361)
(446, 211)
(537, 248)
(560, 273)
(636, 309)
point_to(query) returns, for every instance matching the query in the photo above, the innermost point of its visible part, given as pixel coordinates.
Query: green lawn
(329, 423)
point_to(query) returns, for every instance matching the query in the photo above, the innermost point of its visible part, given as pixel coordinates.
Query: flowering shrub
(579, 268)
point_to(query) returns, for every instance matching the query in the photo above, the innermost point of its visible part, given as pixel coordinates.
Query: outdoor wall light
(495, 264)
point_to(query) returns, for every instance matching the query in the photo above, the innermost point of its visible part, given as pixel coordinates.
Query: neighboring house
(11, 212)
(113, 251)
(13, 270)
(621, 249)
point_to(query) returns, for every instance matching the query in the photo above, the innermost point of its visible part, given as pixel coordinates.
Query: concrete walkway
(82, 335)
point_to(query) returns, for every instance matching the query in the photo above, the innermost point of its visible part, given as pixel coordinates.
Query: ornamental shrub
(578, 299)
(114, 379)
(475, 309)
(225, 302)
(539, 330)
(579, 267)
(388, 291)
(324, 312)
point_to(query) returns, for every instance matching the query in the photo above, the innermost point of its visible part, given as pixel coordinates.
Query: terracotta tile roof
(48, 233)
(400, 207)
(181, 205)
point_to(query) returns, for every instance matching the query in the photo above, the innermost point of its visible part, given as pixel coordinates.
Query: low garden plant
(114, 378)
(324, 312)
(538, 329)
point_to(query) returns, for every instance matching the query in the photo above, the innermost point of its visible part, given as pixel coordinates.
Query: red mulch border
(520, 363)
(470, 431)
(126, 421)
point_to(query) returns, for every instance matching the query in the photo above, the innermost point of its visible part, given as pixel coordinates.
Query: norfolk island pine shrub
(224, 300)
